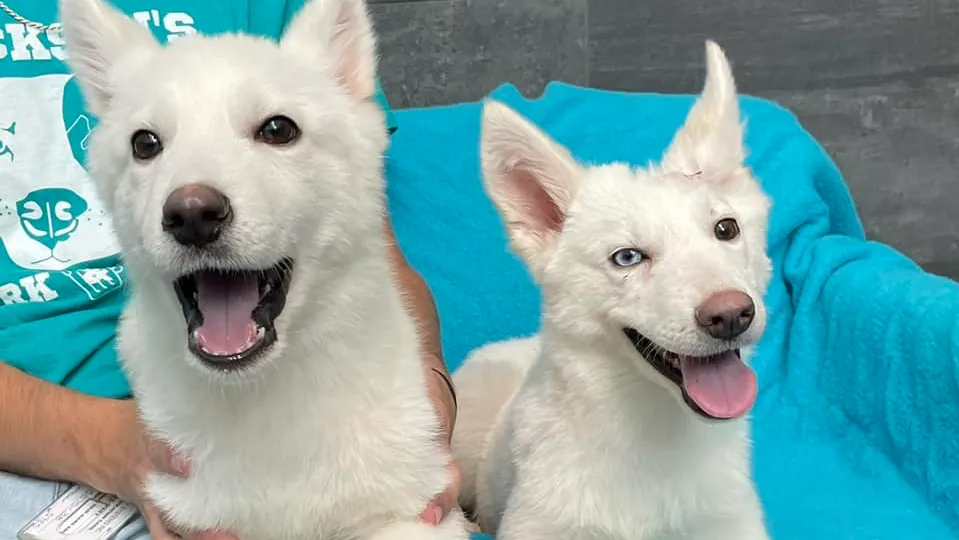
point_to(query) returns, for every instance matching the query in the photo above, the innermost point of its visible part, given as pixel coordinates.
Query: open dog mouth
(718, 387)
(230, 314)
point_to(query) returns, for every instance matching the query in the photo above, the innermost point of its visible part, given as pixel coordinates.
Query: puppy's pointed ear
(338, 32)
(97, 37)
(531, 180)
(711, 140)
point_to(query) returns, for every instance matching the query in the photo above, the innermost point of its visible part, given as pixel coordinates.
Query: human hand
(141, 454)
(445, 502)
(164, 459)
(440, 393)
(135, 455)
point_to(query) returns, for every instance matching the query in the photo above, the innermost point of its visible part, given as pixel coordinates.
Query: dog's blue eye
(627, 257)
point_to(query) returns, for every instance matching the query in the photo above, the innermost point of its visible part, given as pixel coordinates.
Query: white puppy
(264, 335)
(624, 419)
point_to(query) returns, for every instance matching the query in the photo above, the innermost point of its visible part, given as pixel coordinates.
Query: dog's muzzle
(720, 386)
(230, 313)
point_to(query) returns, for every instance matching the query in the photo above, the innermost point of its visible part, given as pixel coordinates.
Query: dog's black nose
(726, 314)
(195, 215)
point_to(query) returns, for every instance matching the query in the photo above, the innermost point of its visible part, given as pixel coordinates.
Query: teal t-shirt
(61, 278)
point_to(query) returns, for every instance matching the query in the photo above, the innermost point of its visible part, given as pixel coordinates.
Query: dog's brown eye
(726, 229)
(146, 145)
(278, 130)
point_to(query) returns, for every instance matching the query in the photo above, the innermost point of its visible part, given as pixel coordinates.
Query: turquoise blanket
(857, 423)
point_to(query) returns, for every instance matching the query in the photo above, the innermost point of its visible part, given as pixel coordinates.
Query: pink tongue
(724, 387)
(226, 302)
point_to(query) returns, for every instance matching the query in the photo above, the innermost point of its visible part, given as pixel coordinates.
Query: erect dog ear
(711, 140)
(338, 32)
(97, 37)
(531, 180)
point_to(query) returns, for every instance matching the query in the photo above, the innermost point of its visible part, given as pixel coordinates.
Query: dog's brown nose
(195, 215)
(726, 314)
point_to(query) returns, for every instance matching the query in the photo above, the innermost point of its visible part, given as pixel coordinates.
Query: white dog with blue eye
(624, 419)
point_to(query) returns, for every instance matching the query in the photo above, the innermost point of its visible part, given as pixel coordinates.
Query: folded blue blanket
(857, 422)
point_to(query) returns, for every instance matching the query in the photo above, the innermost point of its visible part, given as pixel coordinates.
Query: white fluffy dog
(264, 336)
(624, 419)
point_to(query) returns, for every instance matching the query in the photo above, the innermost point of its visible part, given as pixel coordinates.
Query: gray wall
(877, 81)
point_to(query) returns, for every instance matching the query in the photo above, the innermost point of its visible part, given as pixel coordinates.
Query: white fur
(330, 435)
(571, 434)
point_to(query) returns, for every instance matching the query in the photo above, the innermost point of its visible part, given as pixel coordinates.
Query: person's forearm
(420, 304)
(51, 432)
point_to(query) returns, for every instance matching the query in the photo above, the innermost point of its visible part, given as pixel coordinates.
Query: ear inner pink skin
(545, 214)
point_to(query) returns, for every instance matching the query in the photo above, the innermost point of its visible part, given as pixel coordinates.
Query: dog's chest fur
(629, 463)
(332, 431)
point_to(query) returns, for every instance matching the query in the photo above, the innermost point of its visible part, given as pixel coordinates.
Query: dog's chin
(231, 314)
(719, 387)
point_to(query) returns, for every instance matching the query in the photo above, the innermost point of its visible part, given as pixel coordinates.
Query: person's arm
(419, 302)
(55, 433)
